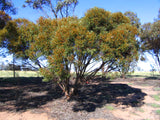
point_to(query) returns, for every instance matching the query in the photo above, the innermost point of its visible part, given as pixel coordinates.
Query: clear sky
(147, 11)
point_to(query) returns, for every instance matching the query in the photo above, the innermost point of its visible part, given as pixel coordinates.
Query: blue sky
(147, 11)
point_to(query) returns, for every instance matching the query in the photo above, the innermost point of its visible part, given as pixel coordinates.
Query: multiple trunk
(70, 86)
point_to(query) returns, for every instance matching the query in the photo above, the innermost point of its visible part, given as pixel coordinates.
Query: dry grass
(20, 74)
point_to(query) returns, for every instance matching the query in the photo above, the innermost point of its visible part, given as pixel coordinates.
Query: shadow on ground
(20, 94)
(97, 95)
(153, 77)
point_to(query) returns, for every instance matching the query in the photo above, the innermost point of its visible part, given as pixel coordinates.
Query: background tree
(129, 64)
(16, 40)
(4, 18)
(58, 8)
(150, 38)
(133, 18)
(102, 22)
(19, 36)
(7, 6)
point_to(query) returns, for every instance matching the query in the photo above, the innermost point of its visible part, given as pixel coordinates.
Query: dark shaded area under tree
(21, 94)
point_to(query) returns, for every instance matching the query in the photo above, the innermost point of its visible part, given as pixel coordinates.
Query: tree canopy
(133, 18)
(4, 18)
(150, 38)
(56, 8)
(75, 44)
(7, 6)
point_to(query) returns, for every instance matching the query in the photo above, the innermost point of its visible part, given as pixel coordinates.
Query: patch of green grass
(156, 97)
(156, 89)
(154, 105)
(158, 112)
(109, 107)
(130, 83)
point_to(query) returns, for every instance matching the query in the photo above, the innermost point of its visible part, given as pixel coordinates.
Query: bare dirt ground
(101, 99)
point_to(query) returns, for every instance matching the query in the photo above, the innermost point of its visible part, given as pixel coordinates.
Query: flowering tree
(75, 44)
(101, 36)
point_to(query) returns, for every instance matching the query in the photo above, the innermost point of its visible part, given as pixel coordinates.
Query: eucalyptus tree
(150, 38)
(54, 8)
(7, 6)
(69, 43)
(73, 44)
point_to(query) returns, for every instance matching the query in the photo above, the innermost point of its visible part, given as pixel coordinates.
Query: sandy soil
(144, 112)
(23, 116)
(128, 99)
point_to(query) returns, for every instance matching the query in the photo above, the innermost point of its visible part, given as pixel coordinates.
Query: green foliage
(150, 39)
(133, 18)
(47, 74)
(98, 20)
(115, 35)
(4, 18)
(16, 36)
(118, 18)
(113, 75)
(72, 44)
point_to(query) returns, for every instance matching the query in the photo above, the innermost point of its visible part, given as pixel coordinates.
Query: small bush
(113, 75)
(109, 107)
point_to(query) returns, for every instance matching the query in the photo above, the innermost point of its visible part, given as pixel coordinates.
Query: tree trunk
(123, 75)
(103, 72)
(158, 59)
(74, 87)
(14, 73)
(69, 89)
